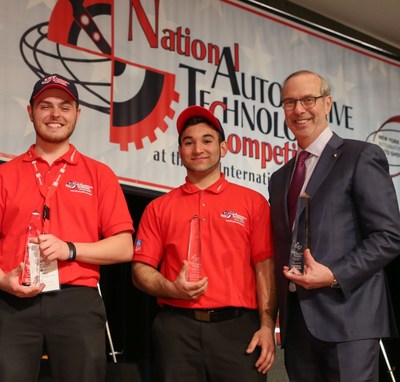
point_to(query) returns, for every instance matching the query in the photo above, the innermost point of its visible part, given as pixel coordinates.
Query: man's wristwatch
(335, 284)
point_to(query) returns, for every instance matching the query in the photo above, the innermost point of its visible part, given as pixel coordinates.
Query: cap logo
(56, 80)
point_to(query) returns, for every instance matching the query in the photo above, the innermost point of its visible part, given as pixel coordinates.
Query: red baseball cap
(198, 111)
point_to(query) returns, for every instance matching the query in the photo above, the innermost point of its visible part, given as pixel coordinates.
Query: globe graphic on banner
(81, 49)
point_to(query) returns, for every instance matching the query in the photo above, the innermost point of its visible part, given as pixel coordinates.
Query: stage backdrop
(137, 64)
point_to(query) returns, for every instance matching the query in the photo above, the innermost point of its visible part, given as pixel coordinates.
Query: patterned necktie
(296, 185)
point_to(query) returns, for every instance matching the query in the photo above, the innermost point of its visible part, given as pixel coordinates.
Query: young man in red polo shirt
(220, 327)
(83, 222)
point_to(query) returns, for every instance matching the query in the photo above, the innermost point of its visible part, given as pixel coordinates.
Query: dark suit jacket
(355, 231)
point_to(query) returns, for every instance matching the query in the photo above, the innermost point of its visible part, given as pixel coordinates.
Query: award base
(296, 260)
(31, 272)
(193, 271)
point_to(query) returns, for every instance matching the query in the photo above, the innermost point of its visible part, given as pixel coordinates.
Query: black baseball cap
(54, 81)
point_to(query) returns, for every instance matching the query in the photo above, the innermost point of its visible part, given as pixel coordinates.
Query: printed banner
(137, 64)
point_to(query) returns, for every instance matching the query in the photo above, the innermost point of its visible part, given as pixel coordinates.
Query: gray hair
(325, 87)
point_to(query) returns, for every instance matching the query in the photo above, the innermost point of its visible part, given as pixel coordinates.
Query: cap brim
(54, 86)
(197, 111)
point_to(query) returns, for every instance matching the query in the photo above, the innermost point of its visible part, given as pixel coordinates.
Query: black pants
(71, 324)
(191, 351)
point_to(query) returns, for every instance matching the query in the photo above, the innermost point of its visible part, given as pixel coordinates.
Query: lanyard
(48, 192)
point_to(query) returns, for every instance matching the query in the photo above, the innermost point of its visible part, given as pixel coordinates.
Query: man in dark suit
(333, 314)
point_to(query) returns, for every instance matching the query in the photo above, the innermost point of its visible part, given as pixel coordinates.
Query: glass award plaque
(49, 275)
(31, 272)
(300, 235)
(193, 272)
(35, 270)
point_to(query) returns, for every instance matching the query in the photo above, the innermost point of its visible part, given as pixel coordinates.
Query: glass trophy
(193, 272)
(300, 235)
(30, 275)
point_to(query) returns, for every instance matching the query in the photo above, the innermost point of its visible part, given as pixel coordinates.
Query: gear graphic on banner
(74, 39)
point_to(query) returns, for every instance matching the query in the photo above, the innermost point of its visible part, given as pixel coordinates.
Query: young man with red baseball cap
(204, 249)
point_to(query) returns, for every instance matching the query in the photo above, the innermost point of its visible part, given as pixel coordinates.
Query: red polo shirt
(87, 204)
(235, 235)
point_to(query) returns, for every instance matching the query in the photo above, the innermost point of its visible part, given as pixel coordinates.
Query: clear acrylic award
(300, 235)
(193, 272)
(31, 272)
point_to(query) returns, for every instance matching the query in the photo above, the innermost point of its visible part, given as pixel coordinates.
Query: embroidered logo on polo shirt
(233, 217)
(80, 187)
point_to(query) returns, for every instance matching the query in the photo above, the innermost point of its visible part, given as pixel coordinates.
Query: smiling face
(54, 115)
(306, 124)
(201, 150)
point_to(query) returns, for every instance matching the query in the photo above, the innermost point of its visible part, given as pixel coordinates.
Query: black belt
(67, 286)
(209, 315)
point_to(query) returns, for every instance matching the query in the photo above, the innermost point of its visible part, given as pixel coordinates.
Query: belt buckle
(202, 315)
